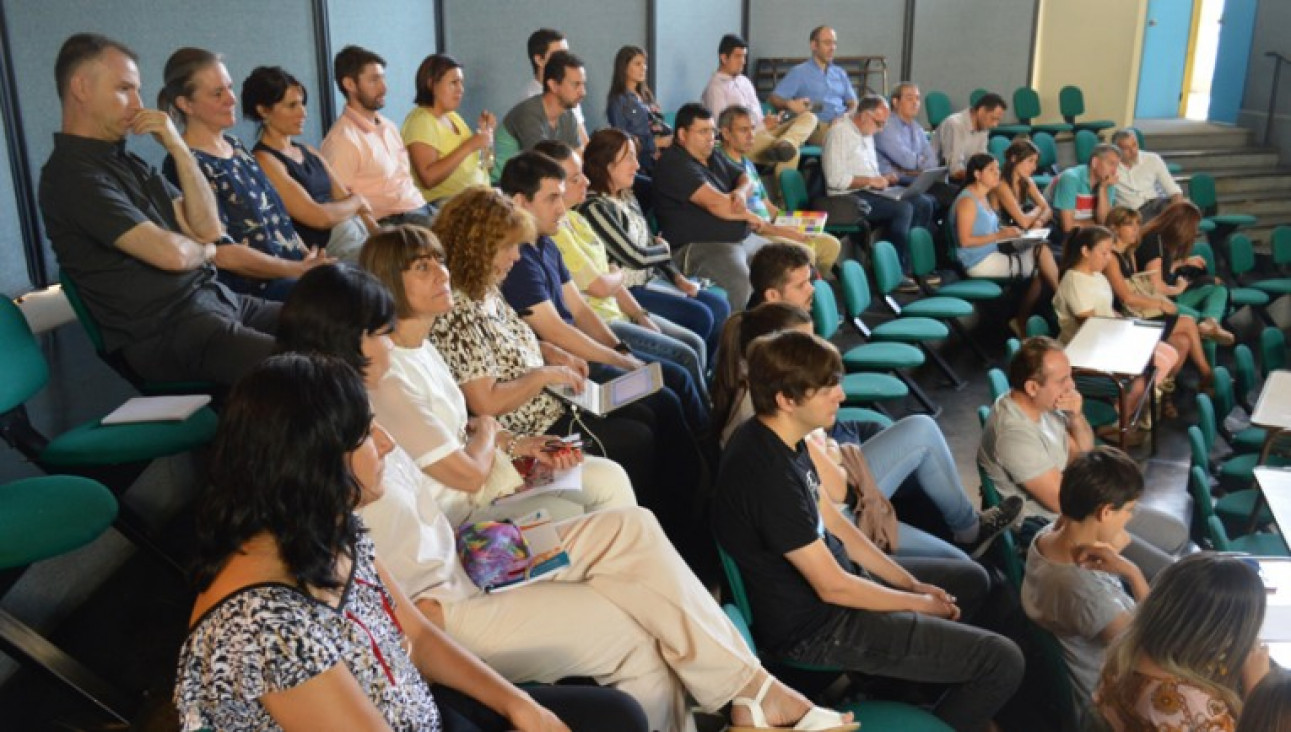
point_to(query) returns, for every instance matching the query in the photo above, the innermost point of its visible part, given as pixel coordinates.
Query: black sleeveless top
(313, 177)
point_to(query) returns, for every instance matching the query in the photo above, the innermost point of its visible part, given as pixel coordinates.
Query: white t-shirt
(1081, 293)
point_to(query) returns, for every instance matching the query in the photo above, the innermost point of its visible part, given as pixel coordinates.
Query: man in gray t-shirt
(550, 115)
(1075, 578)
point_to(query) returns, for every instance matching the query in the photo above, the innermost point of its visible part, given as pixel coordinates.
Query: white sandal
(817, 719)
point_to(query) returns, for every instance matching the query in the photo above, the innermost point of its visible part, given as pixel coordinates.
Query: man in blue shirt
(817, 85)
(903, 148)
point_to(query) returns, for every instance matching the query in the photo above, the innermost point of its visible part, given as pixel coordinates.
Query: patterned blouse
(250, 209)
(486, 338)
(1172, 704)
(272, 636)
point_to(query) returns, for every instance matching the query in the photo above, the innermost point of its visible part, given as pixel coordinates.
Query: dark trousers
(983, 669)
(581, 708)
(898, 216)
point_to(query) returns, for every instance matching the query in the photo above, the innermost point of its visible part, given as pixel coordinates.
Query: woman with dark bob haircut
(297, 624)
(325, 214)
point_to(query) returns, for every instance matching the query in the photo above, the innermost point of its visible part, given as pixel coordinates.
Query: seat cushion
(973, 290)
(867, 388)
(1242, 296)
(94, 443)
(1234, 219)
(861, 414)
(1010, 130)
(1238, 471)
(888, 715)
(1261, 545)
(1052, 128)
(1098, 414)
(1097, 125)
(1206, 226)
(940, 307)
(882, 357)
(911, 330)
(51, 515)
(1235, 509)
(1250, 439)
(1275, 287)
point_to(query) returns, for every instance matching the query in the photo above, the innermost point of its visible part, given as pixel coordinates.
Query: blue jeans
(674, 344)
(983, 669)
(704, 314)
(898, 216)
(914, 446)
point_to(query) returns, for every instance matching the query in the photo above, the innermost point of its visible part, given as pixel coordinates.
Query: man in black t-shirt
(700, 199)
(821, 592)
(140, 251)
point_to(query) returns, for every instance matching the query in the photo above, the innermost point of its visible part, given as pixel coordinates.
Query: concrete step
(1219, 139)
(1256, 204)
(1234, 182)
(1210, 160)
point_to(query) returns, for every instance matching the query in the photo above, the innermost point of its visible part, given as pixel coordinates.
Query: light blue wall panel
(995, 34)
(400, 31)
(686, 37)
(488, 37)
(13, 261)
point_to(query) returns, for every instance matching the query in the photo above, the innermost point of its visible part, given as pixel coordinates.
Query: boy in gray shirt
(1075, 576)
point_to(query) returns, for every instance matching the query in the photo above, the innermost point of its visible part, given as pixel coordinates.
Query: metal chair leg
(930, 407)
(956, 383)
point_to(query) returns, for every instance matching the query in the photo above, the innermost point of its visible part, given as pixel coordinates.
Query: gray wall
(488, 37)
(402, 44)
(947, 32)
(1271, 21)
(686, 54)
(13, 260)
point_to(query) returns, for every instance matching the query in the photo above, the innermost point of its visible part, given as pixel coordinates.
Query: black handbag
(842, 210)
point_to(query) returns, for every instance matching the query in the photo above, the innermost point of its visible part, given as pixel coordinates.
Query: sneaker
(782, 151)
(1213, 331)
(992, 522)
(908, 285)
(933, 280)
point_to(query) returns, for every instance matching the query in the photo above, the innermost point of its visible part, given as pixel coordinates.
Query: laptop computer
(601, 399)
(927, 179)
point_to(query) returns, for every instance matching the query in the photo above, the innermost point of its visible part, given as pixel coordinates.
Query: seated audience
(540, 289)
(886, 458)
(736, 128)
(1017, 199)
(627, 612)
(541, 45)
(1192, 651)
(851, 166)
(1083, 195)
(504, 371)
(699, 199)
(1076, 579)
(821, 592)
(781, 272)
(975, 227)
(776, 137)
(364, 148)
(817, 85)
(550, 115)
(1143, 182)
(611, 209)
(903, 147)
(297, 623)
(446, 156)
(1268, 707)
(269, 255)
(1132, 294)
(603, 286)
(140, 250)
(1165, 255)
(468, 459)
(965, 133)
(1033, 433)
(631, 107)
(323, 212)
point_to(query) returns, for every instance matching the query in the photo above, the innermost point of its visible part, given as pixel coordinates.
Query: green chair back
(1005, 549)
(999, 383)
(824, 310)
(1243, 372)
(1048, 148)
(937, 106)
(1224, 402)
(1201, 191)
(1086, 141)
(923, 253)
(1198, 447)
(670, 119)
(1037, 326)
(1206, 418)
(996, 146)
(741, 624)
(1273, 350)
(1203, 508)
(1026, 104)
(738, 594)
(73, 294)
(856, 288)
(21, 361)
(977, 95)
(887, 269)
(505, 147)
(1071, 102)
(1057, 677)
(983, 414)
(794, 190)
(1011, 348)
(1218, 536)
(1282, 245)
(1202, 249)
(1241, 254)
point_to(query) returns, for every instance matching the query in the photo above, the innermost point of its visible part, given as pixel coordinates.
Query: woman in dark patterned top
(325, 213)
(297, 624)
(262, 255)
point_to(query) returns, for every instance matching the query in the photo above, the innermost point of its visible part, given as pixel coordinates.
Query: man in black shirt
(700, 200)
(141, 252)
(821, 592)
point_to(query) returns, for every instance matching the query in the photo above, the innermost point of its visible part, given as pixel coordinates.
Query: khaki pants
(627, 612)
(796, 131)
(825, 247)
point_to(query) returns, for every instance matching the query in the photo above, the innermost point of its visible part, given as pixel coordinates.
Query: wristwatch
(623, 348)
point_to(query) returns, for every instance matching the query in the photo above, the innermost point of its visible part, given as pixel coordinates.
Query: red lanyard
(389, 608)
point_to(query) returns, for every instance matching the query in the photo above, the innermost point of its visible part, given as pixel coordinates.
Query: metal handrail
(1278, 59)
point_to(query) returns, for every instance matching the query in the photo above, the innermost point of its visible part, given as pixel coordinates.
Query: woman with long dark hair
(630, 106)
(1017, 197)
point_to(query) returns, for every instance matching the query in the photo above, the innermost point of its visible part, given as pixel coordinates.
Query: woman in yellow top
(445, 154)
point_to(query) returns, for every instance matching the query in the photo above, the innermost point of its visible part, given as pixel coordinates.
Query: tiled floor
(131, 611)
